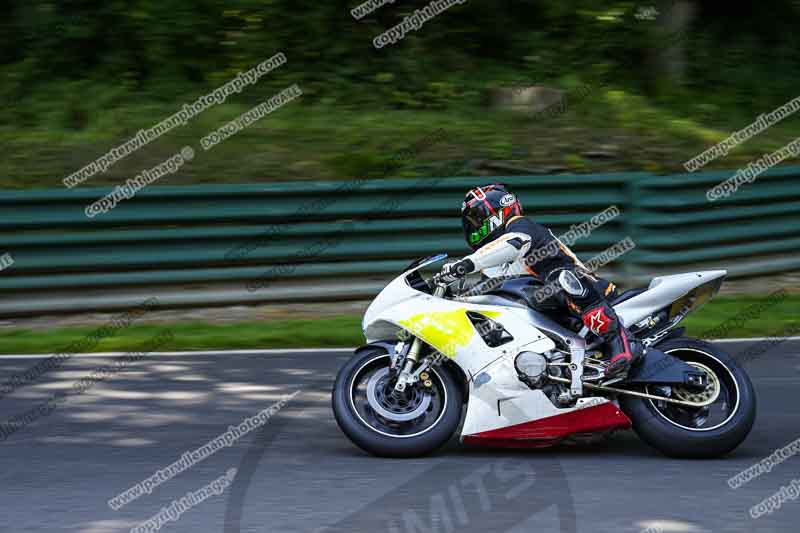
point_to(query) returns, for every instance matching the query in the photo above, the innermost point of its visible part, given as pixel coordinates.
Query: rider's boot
(624, 352)
(620, 351)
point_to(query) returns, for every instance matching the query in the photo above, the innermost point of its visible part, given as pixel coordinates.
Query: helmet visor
(473, 220)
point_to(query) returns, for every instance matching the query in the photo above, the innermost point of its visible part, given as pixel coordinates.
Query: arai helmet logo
(507, 200)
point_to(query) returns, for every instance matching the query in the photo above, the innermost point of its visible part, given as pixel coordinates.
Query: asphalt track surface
(299, 473)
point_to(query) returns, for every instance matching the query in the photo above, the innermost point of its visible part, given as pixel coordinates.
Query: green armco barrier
(201, 236)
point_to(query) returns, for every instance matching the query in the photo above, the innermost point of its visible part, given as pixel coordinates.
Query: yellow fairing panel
(444, 330)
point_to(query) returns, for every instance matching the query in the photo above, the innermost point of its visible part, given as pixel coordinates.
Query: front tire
(416, 424)
(706, 432)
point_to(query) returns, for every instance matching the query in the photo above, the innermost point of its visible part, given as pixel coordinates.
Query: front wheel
(410, 424)
(704, 432)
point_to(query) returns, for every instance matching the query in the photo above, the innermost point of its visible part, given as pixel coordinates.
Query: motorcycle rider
(505, 243)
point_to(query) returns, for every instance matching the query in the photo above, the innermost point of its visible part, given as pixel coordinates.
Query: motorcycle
(529, 376)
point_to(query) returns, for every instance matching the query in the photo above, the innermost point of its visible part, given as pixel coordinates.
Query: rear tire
(364, 426)
(674, 435)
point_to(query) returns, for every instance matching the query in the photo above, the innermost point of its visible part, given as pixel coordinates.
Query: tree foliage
(102, 53)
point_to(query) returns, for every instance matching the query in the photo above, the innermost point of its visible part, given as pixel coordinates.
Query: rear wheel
(691, 432)
(382, 422)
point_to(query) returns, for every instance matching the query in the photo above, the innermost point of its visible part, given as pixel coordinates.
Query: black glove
(453, 271)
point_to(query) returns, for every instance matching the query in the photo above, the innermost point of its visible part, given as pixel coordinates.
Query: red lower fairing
(550, 430)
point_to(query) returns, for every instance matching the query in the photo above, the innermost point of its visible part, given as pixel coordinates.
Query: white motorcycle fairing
(498, 400)
(501, 409)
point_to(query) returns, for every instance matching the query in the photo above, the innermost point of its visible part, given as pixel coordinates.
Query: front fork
(407, 374)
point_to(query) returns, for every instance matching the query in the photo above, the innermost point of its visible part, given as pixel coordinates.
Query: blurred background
(666, 78)
(280, 235)
(300, 217)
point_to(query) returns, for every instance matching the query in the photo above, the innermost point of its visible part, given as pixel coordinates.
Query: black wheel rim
(402, 404)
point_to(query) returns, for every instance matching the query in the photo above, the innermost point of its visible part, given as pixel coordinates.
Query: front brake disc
(377, 399)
